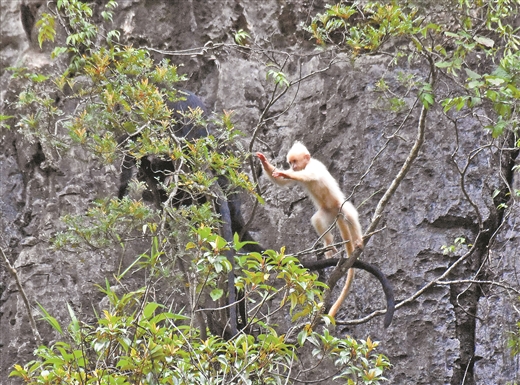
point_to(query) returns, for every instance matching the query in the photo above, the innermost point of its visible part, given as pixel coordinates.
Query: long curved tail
(344, 292)
(387, 286)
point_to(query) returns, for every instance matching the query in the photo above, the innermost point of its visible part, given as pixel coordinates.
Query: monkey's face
(298, 162)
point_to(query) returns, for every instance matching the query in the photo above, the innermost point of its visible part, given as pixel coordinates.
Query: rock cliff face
(451, 334)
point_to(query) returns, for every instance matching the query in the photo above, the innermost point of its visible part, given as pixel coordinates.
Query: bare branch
(402, 173)
(480, 282)
(13, 272)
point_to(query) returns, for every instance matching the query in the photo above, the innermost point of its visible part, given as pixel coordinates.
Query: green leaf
(46, 28)
(471, 74)
(487, 42)
(497, 129)
(443, 64)
(57, 51)
(241, 37)
(475, 84)
(503, 109)
(216, 294)
(492, 95)
(302, 337)
(5, 117)
(451, 34)
(38, 78)
(163, 316)
(18, 371)
(237, 245)
(426, 99)
(279, 77)
(150, 309)
(495, 81)
(461, 102)
(74, 325)
(50, 319)
(106, 15)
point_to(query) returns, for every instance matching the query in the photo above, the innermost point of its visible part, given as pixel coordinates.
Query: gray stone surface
(339, 115)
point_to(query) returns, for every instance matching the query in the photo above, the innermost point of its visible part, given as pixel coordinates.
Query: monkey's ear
(307, 157)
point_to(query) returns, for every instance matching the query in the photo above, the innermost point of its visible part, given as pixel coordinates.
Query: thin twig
(383, 147)
(402, 173)
(13, 272)
(479, 282)
(418, 293)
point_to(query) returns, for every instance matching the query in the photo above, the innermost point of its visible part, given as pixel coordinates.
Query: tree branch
(402, 173)
(13, 272)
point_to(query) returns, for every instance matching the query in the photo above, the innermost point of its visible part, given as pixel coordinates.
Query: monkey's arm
(298, 176)
(270, 170)
(268, 167)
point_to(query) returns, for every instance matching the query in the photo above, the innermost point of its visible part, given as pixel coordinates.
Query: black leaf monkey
(154, 171)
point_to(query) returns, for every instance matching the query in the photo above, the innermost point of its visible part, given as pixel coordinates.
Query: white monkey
(330, 202)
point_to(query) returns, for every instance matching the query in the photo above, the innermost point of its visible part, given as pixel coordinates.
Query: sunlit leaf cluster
(136, 341)
(481, 29)
(362, 28)
(107, 222)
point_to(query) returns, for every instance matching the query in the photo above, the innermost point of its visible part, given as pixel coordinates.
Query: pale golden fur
(329, 200)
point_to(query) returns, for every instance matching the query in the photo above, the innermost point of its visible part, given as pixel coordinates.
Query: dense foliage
(480, 30)
(108, 91)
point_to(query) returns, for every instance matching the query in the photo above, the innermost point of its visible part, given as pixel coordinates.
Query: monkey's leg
(344, 229)
(321, 221)
(344, 292)
(351, 224)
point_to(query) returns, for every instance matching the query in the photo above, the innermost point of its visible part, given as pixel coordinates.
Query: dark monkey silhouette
(154, 171)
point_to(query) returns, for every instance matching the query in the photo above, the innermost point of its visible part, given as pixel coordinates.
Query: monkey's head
(298, 156)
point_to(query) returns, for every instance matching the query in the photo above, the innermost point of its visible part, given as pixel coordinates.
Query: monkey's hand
(280, 174)
(268, 167)
(262, 157)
